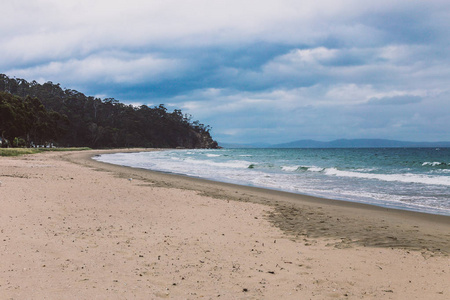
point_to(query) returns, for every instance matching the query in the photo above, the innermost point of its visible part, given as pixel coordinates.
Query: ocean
(416, 179)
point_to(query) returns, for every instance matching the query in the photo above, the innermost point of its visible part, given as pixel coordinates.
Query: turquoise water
(405, 178)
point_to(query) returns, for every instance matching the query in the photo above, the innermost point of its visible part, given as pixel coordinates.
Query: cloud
(86, 26)
(254, 70)
(396, 100)
(318, 112)
(108, 68)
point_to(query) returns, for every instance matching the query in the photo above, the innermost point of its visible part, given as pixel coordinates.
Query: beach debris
(130, 179)
(0, 183)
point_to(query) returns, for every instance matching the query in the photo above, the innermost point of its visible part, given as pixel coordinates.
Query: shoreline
(71, 226)
(319, 195)
(388, 227)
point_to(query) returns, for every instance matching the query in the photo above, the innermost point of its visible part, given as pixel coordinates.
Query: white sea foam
(301, 168)
(434, 164)
(315, 169)
(366, 170)
(212, 155)
(407, 177)
(290, 168)
(236, 164)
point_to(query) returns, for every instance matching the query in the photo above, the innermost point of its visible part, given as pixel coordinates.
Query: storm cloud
(256, 71)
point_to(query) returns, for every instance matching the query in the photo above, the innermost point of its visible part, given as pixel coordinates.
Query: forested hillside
(39, 114)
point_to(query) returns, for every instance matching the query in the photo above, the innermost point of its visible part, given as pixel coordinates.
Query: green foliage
(17, 151)
(63, 149)
(23, 151)
(24, 122)
(69, 118)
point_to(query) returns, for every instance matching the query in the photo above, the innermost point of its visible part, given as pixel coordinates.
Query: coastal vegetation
(33, 114)
(23, 151)
(17, 151)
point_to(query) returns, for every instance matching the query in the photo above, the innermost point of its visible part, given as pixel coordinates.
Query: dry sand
(74, 228)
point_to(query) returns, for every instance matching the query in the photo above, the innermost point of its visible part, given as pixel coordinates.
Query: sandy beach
(75, 228)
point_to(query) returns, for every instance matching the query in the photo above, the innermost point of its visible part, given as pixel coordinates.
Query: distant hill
(345, 143)
(256, 145)
(359, 143)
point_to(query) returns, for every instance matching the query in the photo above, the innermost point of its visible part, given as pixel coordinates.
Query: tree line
(26, 122)
(41, 114)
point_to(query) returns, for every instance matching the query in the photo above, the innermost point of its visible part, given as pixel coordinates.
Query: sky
(255, 71)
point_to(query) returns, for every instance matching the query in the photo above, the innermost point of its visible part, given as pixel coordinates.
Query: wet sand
(74, 226)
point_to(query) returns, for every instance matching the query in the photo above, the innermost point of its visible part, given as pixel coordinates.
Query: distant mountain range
(343, 143)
